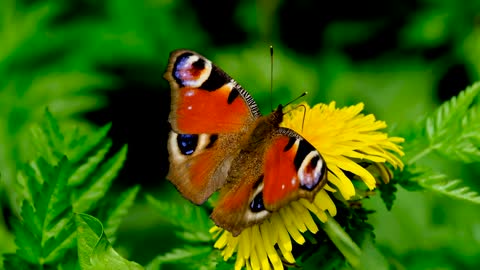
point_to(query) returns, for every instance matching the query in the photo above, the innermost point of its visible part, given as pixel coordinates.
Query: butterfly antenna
(301, 105)
(304, 114)
(295, 99)
(271, 77)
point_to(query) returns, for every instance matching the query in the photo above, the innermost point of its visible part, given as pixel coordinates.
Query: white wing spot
(309, 180)
(189, 93)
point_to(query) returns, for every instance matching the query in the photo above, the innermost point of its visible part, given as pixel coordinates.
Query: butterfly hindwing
(293, 169)
(285, 169)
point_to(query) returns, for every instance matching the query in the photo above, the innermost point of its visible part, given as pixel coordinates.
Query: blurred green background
(94, 62)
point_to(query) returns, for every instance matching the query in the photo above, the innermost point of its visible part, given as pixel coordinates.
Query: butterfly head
(276, 117)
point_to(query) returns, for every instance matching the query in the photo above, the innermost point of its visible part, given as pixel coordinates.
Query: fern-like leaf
(45, 232)
(453, 188)
(86, 198)
(189, 257)
(114, 210)
(453, 130)
(193, 221)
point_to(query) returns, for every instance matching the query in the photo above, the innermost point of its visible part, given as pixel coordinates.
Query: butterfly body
(220, 142)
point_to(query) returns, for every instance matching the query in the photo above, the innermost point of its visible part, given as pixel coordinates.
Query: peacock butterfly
(220, 142)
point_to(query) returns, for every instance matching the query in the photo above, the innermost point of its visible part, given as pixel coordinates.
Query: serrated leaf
(48, 139)
(94, 250)
(52, 143)
(387, 193)
(185, 256)
(89, 143)
(60, 243)
(117, 210)
(87, 197)
(44, 234)
(82, 172)
(440, 183)
(453, 130)
(193, 221)
(26, 239)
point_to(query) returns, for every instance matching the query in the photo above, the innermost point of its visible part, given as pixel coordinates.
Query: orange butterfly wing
(204, 98)
(209, 115)
(293, 169)
(290, 168)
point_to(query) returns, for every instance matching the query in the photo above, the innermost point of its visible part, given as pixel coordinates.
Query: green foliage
(193, 222)
(387, 193)
(35, 78)
(453, 131)
(437, 182)
(47, 230)
(189, 257)
(94, 249)
(192, 225)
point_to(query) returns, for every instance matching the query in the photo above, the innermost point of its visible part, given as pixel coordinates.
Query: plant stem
(343, 242)
(420, 155)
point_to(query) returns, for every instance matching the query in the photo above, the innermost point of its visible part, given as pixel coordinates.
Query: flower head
(353, 147)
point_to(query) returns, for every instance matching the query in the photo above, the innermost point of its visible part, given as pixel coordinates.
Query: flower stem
(343, 242)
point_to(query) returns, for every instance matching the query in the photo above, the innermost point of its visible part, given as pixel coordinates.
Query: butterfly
(219, 141)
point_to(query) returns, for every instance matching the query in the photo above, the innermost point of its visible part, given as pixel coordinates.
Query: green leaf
(85, 145)
(14, 262)
(52, 143)
(188, 256)
(114, 212)
(387, 193)
(94, 249)
(87, 197)
(453, 130)
(45, 232)
(442, 184)
(48, 139)
(83, 171)
(38, 70)
(193, 221)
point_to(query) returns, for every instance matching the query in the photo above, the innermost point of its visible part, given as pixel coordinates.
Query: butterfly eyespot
(312, 171)
(257, 203)
(187, 143)
(191, 70)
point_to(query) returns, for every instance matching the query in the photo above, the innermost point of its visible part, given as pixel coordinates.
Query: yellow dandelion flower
(345, 138)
